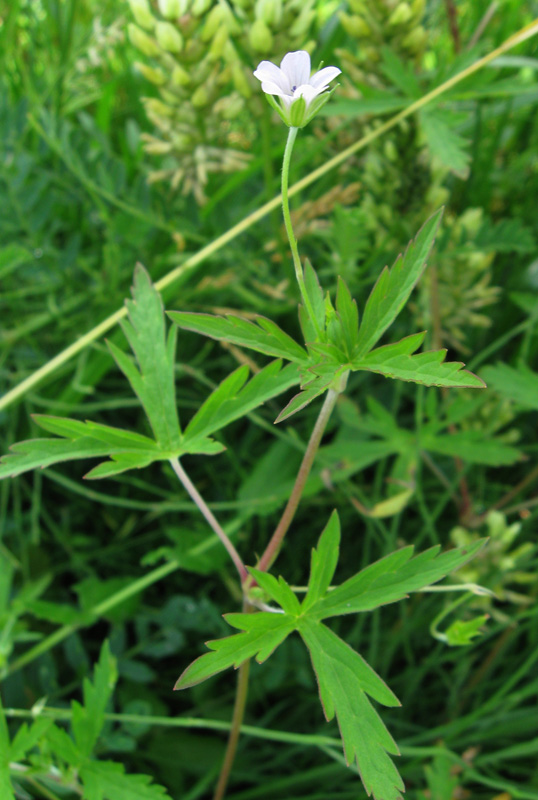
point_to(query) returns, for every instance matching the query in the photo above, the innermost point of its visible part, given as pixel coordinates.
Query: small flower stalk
(300, 94)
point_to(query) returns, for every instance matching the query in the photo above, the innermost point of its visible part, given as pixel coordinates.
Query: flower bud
(303, 22)
(142, 13)
(269, 11)
(214, 21)
(354, 25)
(199, 7)
(172, 9)
(418, 7)
(260, 37)
(157, 147)
(358, 6)
(180, 76)
(155, 106)
(169, 37)
(218, 44)
(240, 80)
(229, 107)
(416, 40)
(390, 150)
(142, 41)
(401, 14)
(200, 97)
(151, 74)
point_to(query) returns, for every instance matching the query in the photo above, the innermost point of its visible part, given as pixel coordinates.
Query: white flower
(301, 94)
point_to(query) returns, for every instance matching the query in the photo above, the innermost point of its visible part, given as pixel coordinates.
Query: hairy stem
(233, 739)
(210, 517)
(289, 228)
(271, 551)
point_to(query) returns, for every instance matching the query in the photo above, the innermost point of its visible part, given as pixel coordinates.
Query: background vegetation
(93, 178)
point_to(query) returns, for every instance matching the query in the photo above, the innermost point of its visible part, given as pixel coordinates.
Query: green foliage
(81, 562)
(344, 678)
(154, 385)
(342, 345)
(264, 336)
(520, 385)
(153, 382)
(101, 780)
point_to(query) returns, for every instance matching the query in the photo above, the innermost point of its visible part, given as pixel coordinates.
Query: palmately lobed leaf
(323, 562)
(154, 380)
(394, 286)
(262, 633)
(344, 681)
(428, 368)
(262, 334)
(107, 780)
(234, 398)
(392, 579)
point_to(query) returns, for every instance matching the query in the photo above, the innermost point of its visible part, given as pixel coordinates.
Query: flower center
(293, 88)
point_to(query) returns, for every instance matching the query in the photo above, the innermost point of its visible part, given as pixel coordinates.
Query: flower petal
(269, 87)
(296, 68)
(324, 76)
(270, 73)
(306, 91)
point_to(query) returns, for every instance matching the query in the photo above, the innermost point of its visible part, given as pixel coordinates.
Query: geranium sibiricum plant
(335, 343)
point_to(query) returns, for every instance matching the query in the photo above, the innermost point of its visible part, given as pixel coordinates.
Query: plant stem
(271, 551)
(233, 739)
(210, 517)
(193, 261)
(289, 228)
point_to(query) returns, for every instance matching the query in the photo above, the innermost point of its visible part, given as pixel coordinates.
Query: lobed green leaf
(88, 719)
(323, 562)
(262, 633)
(344, 681)
(429, 368)
(392, 579)
(394, 286)
(263, 335)
(233, 399)
(154, 380)
(107, 780)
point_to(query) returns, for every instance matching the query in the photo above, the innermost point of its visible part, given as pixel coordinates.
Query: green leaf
(348, 313)
(394, 286)
(392, 579)
(119, 463)
(518, 385)
(27, 737)
(106, 780)
(462, 632)
(315, 294)
(85, 440)
(233, 399)
(278, 590)
(323, 562)
(6, 789)
(506, 236)
(74, 429)
(444, 142)
(471, 446)
(263, 633)
(303, 399)
(88, 720)
(344, 681)
(429, 368)
(263, 335)
(44, 452)
(63, 746)
(154, 381)
(400, 73)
